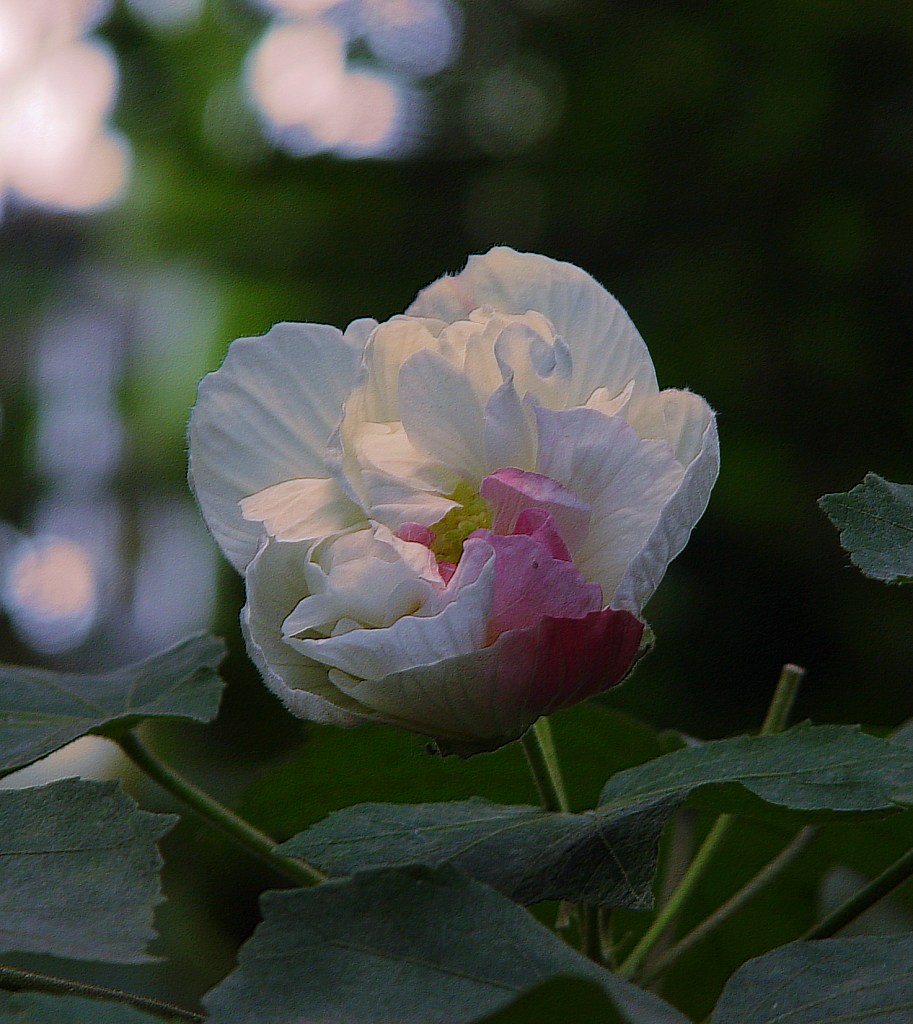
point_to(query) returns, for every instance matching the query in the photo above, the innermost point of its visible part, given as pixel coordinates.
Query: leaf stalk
(777, 716)
(13, 979)
(235, 827)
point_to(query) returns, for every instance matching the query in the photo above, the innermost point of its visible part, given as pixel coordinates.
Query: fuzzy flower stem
(775, 721)
(539, 747)
(14, 979)
(234, 826)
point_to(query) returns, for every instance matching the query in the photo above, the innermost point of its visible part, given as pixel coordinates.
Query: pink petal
(539, 525)
(416, 533)
(531, 583)
(561, 661)
(512, 491)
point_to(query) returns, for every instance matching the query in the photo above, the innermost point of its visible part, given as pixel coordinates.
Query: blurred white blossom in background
(57, 86)
(314, 99)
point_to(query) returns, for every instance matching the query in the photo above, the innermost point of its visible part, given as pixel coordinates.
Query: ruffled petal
(561, 661)
(530, 582)
(263, 418)
(511, 491)
(367, 576)
(389, 346)
(627, 482)
(416, 639)
(605, 346)
(442, 415)
(538, 363)
(276, 582)
(301, 509)
(398, 482)
(480, 701)
(695, 442)
(509, 430)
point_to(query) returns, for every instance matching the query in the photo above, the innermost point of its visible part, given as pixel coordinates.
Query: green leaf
(865, 979)
(37, 1008)
(526, 853)
(377, 763)
(406, 945)
(563, 999)
(41, 711)
(875, 520)
(78, 871)
(826, 768)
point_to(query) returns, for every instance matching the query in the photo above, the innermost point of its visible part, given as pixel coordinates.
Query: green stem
(256, 842)
(663, 919)
(15, 980)
(867, 896)
(591, 933)
(735, 903)
(777, 716)
(781, 704)
(539, 747)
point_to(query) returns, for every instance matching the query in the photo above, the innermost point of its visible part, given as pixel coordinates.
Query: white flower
(56, 89)
(452, 520)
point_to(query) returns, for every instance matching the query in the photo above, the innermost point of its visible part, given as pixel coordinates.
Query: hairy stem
(539, 747)
(241, 831)
(13, 979)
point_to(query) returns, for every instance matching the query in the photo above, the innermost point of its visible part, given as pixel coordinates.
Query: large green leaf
(875, 520)
(78, 871)
(376, 763)
(409, 945)
(37, 1008)
(848, 980)
(820, 769)
(556, 1001)
(41, 711)
(526, 853)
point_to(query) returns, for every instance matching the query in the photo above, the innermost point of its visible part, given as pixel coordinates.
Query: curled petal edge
(683, 510)
(490, 697)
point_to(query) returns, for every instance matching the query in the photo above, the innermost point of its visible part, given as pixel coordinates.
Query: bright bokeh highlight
(312, 99)
(57, 87)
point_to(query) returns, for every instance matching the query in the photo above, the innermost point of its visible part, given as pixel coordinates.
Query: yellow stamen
(472, 513)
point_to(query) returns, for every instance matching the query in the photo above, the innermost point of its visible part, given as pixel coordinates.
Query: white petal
(301, 509)
(415, 639)
(400, 484)
(626, 480)
(695, 441)
(275, 584)
(441, 414)
(391, 344)
(263, 418)
(367, 576)
(606, 349)
(603, 402)
(509, 430)
(455, 699)
(538, 365)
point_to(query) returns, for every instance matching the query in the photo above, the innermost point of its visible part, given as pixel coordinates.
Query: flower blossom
(57, 85)
(451, 521)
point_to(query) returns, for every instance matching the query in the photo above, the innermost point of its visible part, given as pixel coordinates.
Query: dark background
(740, 175)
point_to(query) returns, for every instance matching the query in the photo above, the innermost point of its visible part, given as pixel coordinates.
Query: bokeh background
(178, 173)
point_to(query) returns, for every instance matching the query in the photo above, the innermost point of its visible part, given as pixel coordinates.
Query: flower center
(472, 513)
